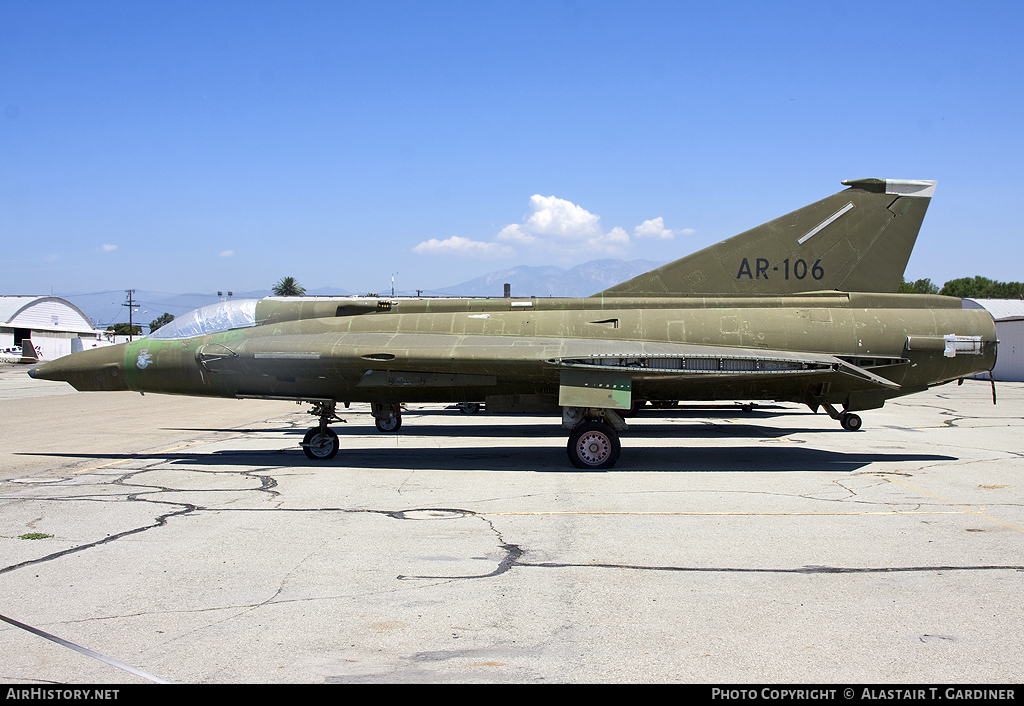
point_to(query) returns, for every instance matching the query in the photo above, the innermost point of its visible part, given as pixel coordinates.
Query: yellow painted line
(126, 460)
(94, 468)
(966, 508)
(738, 514)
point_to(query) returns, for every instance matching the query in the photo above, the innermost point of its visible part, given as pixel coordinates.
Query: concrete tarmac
(192, 539)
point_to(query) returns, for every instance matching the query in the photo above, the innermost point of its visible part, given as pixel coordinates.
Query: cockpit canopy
(223, 316)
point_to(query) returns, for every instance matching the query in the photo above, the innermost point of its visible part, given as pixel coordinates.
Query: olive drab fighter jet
(800, 309)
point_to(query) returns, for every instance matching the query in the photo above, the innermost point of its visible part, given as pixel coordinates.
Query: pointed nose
(88, 371)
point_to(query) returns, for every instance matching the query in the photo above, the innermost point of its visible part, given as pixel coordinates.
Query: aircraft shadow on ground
(544, 459)
(357, 423)
(637, 429)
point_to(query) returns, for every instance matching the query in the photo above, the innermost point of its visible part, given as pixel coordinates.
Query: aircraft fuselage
(461, 350)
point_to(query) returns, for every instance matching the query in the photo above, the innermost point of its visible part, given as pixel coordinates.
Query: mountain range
(105, 308)
(580, 281)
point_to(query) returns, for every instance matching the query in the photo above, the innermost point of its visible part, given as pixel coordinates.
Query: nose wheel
(321, 442)
(320, 445)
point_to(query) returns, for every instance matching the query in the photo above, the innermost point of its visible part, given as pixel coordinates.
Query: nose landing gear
(321, 442)
(320, 445)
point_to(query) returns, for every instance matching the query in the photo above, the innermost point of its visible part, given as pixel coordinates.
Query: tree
(921, 286)
(160, 321)
(125, 330)
(288, 287)
(982, 288)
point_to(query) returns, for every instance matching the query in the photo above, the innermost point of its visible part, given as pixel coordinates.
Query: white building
(1009, 317)
(55, 326)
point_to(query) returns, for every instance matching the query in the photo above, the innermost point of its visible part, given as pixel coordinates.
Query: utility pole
(130, 304)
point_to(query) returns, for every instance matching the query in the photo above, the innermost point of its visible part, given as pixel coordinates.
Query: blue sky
(195, 147)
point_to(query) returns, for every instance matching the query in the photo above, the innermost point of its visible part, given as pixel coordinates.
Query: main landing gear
(594, 439)
(321, 442)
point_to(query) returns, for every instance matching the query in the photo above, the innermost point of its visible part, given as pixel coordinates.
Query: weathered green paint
(740, 342)
(508, 352)
(594, 388)
(858, 240)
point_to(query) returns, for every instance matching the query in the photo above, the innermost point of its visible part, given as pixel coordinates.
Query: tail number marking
(799, 269)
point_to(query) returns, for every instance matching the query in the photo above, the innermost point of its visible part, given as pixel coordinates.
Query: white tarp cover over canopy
(223, 316)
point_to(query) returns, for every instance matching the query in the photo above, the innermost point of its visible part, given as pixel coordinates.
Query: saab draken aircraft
(800, 309)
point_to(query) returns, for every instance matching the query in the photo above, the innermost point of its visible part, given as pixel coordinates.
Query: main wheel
(469, 407)
(389, 426)
(850, 421)
(320, 446)
(593, 445)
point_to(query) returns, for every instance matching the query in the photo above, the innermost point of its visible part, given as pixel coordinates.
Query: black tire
(320, 447)
(389, 426)
(469, 407)
(593, 446)
(851, 422)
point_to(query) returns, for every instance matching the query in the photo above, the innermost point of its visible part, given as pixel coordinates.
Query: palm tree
(288, 287)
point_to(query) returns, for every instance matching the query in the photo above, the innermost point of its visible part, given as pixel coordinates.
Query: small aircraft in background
(25, 353)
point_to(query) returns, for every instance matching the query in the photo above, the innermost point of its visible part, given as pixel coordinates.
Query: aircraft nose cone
(91, 370)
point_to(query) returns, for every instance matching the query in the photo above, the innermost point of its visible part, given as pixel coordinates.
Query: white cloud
(456, 245)
(227, 253)
(553, 227)
(654, 228)
(615, 237)
(106, 247)
(514, 234)
(560, 218)
(614, 242)
(556, 226)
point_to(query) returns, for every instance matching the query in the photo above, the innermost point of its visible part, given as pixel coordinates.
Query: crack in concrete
(138, 490)
(161, 520)
(512, 554)
(810, 569)
(124, 480)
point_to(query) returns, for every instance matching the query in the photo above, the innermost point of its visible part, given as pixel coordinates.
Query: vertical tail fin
(28, 352)
(858, 240)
